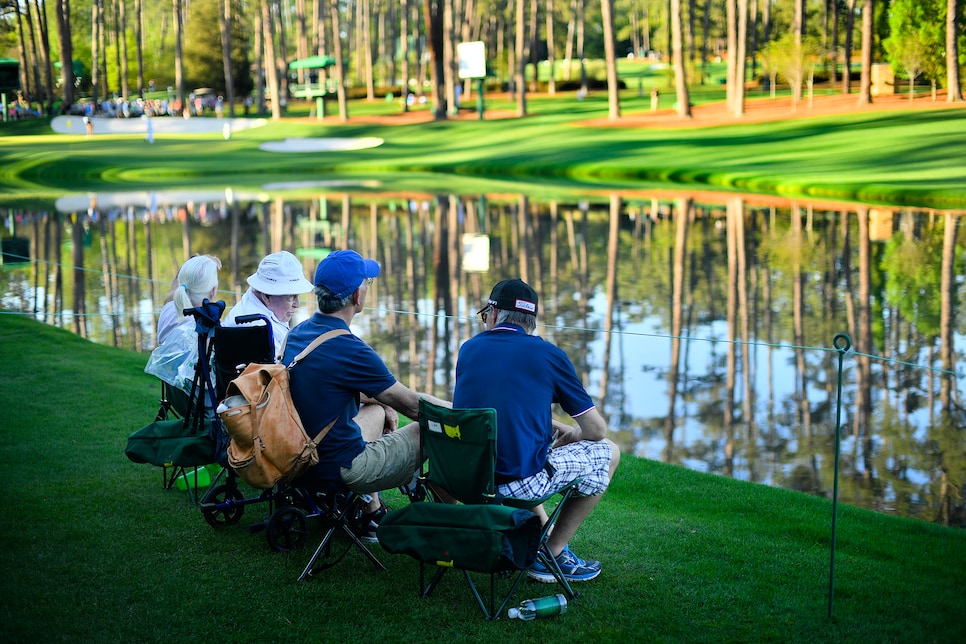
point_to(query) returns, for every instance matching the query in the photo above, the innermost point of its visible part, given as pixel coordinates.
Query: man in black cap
(345, 379)
(521, 376)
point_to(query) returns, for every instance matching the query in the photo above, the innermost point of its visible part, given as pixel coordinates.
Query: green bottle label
(547, 606)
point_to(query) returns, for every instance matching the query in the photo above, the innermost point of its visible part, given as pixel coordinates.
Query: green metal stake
(842, 343)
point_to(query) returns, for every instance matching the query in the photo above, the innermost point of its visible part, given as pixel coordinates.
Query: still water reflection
(703, 325)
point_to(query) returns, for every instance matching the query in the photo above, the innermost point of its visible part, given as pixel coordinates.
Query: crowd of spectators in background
(194, 105)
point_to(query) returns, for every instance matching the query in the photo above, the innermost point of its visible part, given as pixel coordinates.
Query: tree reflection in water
(702, 324)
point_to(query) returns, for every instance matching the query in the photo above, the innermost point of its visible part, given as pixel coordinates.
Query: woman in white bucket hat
(274, 292)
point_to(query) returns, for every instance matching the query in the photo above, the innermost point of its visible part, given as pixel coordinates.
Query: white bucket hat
(280, 274)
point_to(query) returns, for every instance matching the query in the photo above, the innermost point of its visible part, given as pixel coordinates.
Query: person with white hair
(174, 359)
(274, 292)
(197, 281)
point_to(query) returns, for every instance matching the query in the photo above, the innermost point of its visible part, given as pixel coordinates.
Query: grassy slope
(94, 549)
(896, 157)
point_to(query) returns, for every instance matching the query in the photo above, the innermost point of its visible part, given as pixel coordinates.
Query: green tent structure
(9, 74)
(310, 90)
(312, 62)
(77, 66)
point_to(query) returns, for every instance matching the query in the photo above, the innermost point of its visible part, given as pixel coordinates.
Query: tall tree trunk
(449, 57)
(339, 66)
(259, 50)
(366, 30)
(868, 22)
(271, 57)
(45, 53)
(179, 53)
(224, 24)
(22, 50)
(834, 44)
(122, 45)
(731, 18)
(581, 24)
(35, 55)
(706, 39)
(102, 40)
(677, 61)
(753, 38)
(433, 16)
(955, 91)
(847, 48)
(404, 52)
(387, 45)
(116, 11)
(96, 52)
(280, 33)
(613, 95)
(798, 22)
(519, 76)
(738, 106)
(551, 63)
(139, 43)
(689, 32)
(301, 36)
(571, 36)
(418, 49)
(66, 52)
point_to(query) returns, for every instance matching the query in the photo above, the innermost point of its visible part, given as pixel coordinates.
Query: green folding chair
(483, 532)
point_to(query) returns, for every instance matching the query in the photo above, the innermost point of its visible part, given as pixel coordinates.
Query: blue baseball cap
(343, 271)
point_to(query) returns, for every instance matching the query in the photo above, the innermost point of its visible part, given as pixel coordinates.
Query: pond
(704, 325)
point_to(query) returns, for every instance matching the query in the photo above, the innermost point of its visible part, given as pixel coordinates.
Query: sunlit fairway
(896, 157)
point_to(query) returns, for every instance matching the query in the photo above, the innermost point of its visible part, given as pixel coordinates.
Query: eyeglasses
(483, 312)
(291, 299)
(370, 280)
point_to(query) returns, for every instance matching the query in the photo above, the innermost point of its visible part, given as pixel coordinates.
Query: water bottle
(541, 607)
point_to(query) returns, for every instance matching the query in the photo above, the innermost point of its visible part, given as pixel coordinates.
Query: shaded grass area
(94, 549)
(891, 157)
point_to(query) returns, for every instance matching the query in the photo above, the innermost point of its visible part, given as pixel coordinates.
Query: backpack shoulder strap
(314, 344)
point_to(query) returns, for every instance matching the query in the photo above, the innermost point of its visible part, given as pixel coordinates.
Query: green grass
(94, 550)
(900, 158)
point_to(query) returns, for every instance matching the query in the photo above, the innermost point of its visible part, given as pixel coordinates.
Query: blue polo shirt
(326, 385)
(520, 376)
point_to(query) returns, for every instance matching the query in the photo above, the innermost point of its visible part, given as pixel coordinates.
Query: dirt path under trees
(757, 110)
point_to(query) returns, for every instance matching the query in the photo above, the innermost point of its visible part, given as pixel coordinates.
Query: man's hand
(563, 434)
(392, 418)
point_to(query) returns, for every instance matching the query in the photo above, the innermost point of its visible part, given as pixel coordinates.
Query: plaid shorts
(589, 459)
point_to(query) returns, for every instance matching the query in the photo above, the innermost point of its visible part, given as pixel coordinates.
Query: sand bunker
(174, 125)
(321, 145)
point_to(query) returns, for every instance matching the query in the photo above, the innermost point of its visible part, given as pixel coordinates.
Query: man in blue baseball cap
(343, 271)
(345, 380)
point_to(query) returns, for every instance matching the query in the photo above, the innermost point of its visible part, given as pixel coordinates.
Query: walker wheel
(222, 506)
(287, 529)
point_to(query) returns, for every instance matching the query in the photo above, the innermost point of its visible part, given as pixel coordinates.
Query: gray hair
(196, 278)
(329, 302)
(527, 320)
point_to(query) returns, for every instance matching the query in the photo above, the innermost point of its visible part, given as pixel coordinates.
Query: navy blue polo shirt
(520, 376)
(326, 385)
